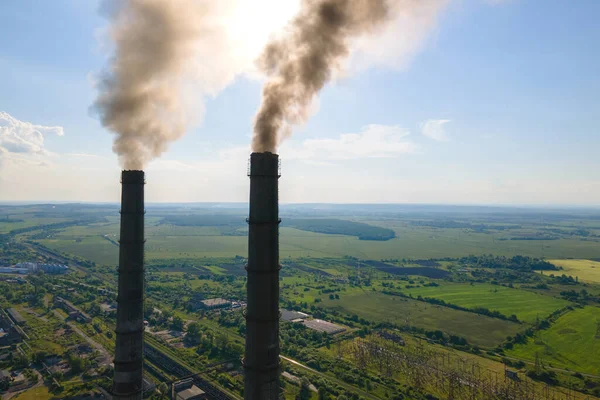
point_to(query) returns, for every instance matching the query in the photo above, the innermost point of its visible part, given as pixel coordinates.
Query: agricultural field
(572, 342)
(184, 233)
(297, 244)
(23, 221)
(527, 306)
(477, 329)
(93, 248)
(585, 270)
(368, 268)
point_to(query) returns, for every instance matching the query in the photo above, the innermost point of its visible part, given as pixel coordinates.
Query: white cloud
(434, 129)
(26, 166)
(374, 141)
(24, 137)
(82, 155)
(221, 176)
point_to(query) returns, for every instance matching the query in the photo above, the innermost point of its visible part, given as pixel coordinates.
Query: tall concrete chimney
(127, 381)
(261, 361)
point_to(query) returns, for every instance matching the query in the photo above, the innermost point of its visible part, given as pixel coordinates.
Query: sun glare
(251, 23)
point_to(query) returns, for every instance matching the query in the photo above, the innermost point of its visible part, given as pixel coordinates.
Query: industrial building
(14, 270)
(9, 334)
(287, 315)
(323, 326)
(16, 316)
(211, 304)
(108, 307)
(198, 302)
(73, 311)
(54, 268)
(30, 268)
(186, 390)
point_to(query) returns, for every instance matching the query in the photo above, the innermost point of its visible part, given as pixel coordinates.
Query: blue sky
(482, 102)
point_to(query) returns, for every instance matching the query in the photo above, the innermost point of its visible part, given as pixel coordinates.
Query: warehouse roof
(324, 326)
(190, 393)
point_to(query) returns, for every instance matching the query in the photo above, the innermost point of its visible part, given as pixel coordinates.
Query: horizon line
(424, 204)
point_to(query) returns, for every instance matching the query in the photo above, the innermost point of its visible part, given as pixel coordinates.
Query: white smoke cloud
(235, 32)
(400, 40)
(434, 129)
(167, 56)
(23, 137)
(249, 24)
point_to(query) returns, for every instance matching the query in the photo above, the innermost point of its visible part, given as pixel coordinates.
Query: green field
(171, 242)
(94, 248)
(215, 269)
(422, 232)
(585, 270)
(573, 342)
(97, 229)
(191, 249)
(27, 222)
(42, 330)
(38, 393)
(477, 329)
(425, 243)
(527, 306)
(195, 284)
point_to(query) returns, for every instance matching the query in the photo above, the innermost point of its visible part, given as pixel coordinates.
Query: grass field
(94, 248)
(38, 393)
(585, 270)
(459, 359)
(573, 342)
(477, 329)
(47, 346)
(27, 222)
(169, 242)
(527, 306)
(426, 243)
(215, 269)
(41, 329)
(195, 284)
(97, 229)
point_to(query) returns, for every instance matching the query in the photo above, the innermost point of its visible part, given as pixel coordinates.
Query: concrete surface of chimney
(261, 361)
(129, 347)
